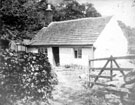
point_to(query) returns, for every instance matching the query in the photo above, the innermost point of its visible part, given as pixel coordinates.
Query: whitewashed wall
(50, 55)
(33, 50)
(67, 56)
(111, 41)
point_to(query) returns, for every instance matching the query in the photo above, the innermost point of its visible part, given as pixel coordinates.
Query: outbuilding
(76, 41)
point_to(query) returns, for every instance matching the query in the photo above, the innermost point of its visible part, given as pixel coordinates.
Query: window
(42, 50)
(78, 53)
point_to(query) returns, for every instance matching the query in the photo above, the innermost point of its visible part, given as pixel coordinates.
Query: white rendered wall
(111, 41)
(67, 56)
(50, 55)
(33, 50)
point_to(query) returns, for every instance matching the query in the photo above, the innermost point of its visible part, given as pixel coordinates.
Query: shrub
(25, 76)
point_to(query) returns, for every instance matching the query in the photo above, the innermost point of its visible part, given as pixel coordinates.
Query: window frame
(77, 53)
(42, 50)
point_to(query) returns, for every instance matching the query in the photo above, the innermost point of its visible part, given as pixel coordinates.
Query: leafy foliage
(91, 11)
(130, 35)
(71, 9)
(25, 76)
(22, 18)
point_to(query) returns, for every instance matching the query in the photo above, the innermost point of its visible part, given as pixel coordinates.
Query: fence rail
(116, 58)
(116, 69)
(110, 60)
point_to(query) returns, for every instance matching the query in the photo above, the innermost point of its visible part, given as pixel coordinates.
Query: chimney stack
(49, 14)
(49, 7)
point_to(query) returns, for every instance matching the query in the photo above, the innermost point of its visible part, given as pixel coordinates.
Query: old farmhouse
(76, 41)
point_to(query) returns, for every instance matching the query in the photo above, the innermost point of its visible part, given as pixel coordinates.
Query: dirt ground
(69, 87)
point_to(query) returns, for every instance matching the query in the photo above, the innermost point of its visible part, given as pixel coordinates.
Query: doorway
(56, 55)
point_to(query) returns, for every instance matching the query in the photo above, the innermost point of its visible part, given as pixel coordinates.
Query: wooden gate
(111, 61)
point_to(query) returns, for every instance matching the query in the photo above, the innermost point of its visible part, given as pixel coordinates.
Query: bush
(25, 76)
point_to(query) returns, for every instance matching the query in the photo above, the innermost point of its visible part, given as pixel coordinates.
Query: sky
(123, 10)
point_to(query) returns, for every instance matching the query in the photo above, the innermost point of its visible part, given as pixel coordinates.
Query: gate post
(111, 66)
(89, 73)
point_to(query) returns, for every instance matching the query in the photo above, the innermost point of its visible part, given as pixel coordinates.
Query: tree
(91, 11)
(129, 33)
(21, 17)
(71, 9)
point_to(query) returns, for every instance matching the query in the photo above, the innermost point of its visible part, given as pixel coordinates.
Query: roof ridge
(79, 19)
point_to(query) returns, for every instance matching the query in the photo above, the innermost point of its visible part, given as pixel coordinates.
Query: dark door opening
(56, 55)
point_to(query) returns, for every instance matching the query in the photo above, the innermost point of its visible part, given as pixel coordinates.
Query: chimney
(49, 14)
(49, 7)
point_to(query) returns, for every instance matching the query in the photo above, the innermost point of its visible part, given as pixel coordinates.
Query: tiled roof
(38, 36)
(83, 31)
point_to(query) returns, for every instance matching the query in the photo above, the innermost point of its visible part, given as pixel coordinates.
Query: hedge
(25, 76)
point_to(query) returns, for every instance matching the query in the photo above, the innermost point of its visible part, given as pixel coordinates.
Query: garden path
(69, 87)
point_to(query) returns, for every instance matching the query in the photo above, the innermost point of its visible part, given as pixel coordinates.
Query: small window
(42, 50)
(78, 53)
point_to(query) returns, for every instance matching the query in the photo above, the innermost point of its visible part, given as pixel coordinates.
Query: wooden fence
(111, 61)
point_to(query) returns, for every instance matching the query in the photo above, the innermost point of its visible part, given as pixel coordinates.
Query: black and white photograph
(67, 52)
